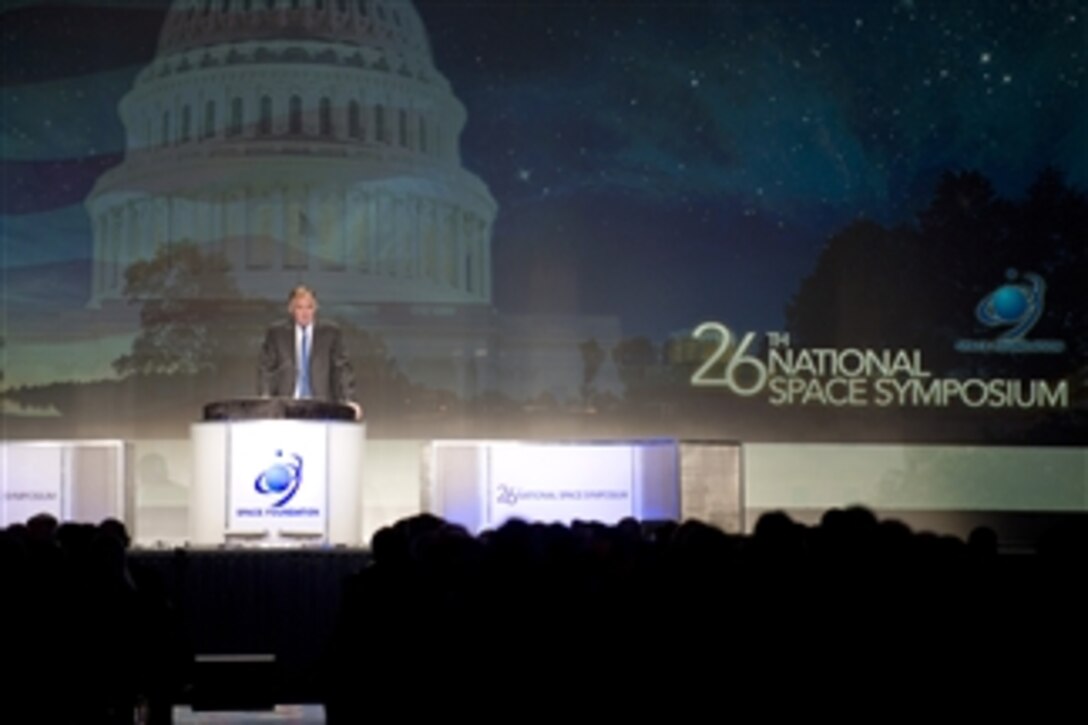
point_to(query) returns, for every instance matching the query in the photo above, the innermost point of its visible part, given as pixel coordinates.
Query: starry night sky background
(698, 154)
(661, 162)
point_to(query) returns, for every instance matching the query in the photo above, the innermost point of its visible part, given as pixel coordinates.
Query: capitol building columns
(321, 146)
(264, 230)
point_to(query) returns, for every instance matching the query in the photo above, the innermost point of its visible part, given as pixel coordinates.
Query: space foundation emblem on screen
(1016, 306)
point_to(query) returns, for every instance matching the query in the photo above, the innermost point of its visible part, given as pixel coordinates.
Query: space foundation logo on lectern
(277, 484)
(282, 479)
(278, 472)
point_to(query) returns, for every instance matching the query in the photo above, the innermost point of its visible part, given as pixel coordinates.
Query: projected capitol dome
(308, 140)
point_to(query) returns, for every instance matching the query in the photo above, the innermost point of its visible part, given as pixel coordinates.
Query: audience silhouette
(622, 619)
(93, 638)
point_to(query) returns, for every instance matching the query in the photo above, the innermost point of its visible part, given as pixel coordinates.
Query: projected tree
(179, 290)
(1055, 215)
(196, 324)
(380, 384)
(638, 365)
(919, 286)
(593, 356)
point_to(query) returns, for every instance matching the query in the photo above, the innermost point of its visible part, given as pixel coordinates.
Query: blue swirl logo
(1016, 305)
(282, 478)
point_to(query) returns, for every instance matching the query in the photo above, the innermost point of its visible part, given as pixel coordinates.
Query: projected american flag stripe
(65, 67)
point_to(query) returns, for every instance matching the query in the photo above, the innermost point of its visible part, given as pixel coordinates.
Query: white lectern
(277, 472)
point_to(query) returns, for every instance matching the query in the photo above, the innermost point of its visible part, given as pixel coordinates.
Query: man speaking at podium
(304, 358)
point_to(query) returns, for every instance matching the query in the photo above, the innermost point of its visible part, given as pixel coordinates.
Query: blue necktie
(304, 365)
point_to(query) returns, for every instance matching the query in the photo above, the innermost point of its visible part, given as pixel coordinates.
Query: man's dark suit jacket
(331, 375)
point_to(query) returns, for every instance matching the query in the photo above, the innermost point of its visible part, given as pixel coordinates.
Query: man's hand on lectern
(358, 410)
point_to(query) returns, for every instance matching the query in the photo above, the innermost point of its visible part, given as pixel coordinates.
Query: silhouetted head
(116, 529)
(389, 546)
(982, 541)
(41, 527)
